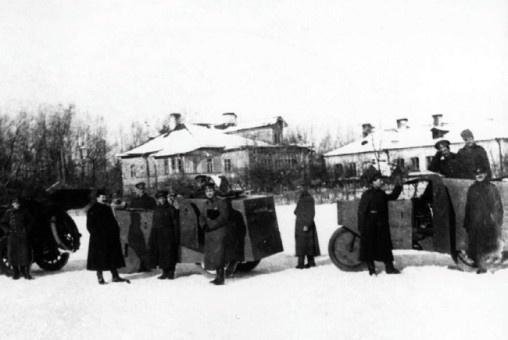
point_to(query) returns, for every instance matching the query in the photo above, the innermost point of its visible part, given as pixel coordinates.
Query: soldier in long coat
(444, 161)
(483, 221)
(306, 238)
(164, 237)
(135, 237)
(214, 218)
(376, 242)
(104, 248)
(472, 156)
(18, 223)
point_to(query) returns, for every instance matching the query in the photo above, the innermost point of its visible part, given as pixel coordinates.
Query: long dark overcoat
(104, 248)
(470, 158)
(18, 223)
(306, 242)
(164, 237)
(375, 242)
(445, 165)
(483, 219)
(135, 237)
(215, 218)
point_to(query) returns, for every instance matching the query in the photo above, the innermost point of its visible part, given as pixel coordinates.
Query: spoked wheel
(344, 249)
(5, 266)
(52, 260)
(244, 267)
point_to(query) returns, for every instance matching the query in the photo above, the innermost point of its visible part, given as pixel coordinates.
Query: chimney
(366, 129)
(437, 119)
(229, 119)
(402, 123)
(175, 121)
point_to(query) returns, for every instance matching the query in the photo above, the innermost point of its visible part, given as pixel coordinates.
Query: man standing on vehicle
(472, 156)
(375, 242)
(483, 221)
(444, 161)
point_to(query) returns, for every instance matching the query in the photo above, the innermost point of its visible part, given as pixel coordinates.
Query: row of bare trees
(54, 146)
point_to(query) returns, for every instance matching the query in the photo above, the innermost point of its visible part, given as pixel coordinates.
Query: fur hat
(140, 185)
(444, 142)
(466, 134)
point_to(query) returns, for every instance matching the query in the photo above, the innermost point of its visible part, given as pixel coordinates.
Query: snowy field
(275, 301)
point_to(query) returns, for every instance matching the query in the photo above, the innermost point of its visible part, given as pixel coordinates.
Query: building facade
(412, 148)
(188, 150)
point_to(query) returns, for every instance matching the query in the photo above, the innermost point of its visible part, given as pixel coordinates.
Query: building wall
(270, 134)
(423, 154)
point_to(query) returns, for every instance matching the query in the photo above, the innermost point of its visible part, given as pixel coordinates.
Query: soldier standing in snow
(135, 237)
(104, 249)
(306, 238)
(472, 156)
(483, 221)
(18, 223)
(215, 220)
(164, 237)
(444, 161)
(375, 242)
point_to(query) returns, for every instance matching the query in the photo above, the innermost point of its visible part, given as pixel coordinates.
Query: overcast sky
(330, 62)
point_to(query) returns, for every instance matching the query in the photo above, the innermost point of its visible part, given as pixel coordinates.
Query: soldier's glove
(305, 228)
(212, 214)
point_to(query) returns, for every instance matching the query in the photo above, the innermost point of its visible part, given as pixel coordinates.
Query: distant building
(211, 149)
(413, 147)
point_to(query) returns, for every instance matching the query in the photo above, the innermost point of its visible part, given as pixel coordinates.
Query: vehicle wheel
(344, 249)
(5, 266)
(244, 267)
(52, 260)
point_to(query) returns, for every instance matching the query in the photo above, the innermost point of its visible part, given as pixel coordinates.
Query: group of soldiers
(483, 213)
(105, 253)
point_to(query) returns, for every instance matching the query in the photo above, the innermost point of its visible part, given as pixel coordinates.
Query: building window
(166, 166)
(180, 164)
(227, 165)
(351, 170)
(173, 164)
(339, 170)
(276, 138)
(209, 165)
(415, 164)
(133, 170)
(400, 162)
(429, 161)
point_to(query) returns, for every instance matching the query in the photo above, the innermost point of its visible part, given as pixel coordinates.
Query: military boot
(26, 272)
(219, 277)
(310, 262)
(301, 260)
(15, 273)
(117, 278)
(371, 267)
(100, 278)
(390, 269)
(164, 275)
(231, 268)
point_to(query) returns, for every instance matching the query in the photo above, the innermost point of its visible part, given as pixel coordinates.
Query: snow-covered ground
(275, 301)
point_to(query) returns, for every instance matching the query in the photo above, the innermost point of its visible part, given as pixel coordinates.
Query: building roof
(269, 121)
(420, 136)
(189, 138)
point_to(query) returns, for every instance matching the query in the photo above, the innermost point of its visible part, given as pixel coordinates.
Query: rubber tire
(244, 267)
(339, 252)
(55, 263)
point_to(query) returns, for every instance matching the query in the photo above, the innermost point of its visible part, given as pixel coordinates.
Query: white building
(413, 147)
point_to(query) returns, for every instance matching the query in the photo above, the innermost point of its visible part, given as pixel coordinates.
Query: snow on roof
(389, 139)
(256, 124)
(190, 138)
